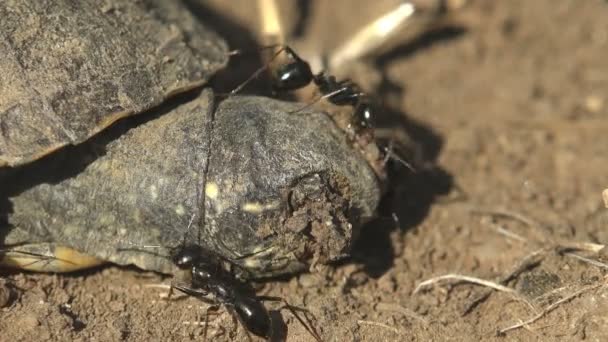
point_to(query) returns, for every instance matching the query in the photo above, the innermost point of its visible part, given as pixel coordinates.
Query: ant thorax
(362, 139)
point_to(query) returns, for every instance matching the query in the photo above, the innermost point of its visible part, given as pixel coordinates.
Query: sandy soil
(506, 101)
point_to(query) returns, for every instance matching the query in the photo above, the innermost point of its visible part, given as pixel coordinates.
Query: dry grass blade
(581, 246)
(549, 309)
(587, 260)
(463, 278)
(528, 262)
(507, 214)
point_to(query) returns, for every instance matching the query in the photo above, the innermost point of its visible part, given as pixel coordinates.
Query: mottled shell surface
(259, 181)
(69, 68)
(254, 180)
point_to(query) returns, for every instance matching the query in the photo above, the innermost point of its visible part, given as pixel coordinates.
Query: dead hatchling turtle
(253, 179)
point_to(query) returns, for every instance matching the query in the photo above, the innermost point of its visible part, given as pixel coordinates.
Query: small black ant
(208, 276)
(293, 73)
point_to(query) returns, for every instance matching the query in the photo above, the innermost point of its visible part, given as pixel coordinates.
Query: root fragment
(524, 324)
(463, 278)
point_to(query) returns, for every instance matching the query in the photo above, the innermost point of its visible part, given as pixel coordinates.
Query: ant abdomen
(292, 76)
(253, 316)
(291, 72)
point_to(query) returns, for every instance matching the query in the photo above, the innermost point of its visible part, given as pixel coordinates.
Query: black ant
(289, 72)
(209, 276)
(293, 73)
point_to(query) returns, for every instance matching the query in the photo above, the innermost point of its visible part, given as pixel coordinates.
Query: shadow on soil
(410, 192)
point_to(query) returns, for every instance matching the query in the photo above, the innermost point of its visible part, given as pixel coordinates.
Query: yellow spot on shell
(153, 192)
(212, 190)
(62, 259)
(257, 208)
(180, 210)
(253, 263)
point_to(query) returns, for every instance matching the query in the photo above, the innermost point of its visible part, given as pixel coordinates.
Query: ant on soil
(209, 273)
(208, 276)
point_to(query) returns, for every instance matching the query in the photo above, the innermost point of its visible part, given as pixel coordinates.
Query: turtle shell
(69, 69)
(255, 180)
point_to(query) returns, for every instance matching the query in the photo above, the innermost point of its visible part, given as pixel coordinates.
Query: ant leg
(197, 293)
(292, 308)
(213, 308)
(325, 96)
(258, 72)
(169, 293)
(244, 257)
(390, 153)
(236, 320)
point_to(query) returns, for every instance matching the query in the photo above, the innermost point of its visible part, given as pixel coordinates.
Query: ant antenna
(325, 96)
(188, 230)
(139, 247)
(292, 308)
(131, 243)
(260, 70)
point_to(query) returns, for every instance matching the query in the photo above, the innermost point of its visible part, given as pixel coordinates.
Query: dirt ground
(506, 100)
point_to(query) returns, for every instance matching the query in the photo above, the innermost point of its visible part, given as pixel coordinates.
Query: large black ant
(292, 73)
(289, 72)
(209, 276)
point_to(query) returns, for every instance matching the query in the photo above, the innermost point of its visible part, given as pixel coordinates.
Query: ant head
(292, 75)
(186, 256)
(364, 116)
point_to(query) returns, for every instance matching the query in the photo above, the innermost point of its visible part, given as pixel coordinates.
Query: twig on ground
(549, 308)
(562, 247)
(587, 260)
(500, 230)
(580, 246)
(528, 262)
(508, 214)
(463, 278)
